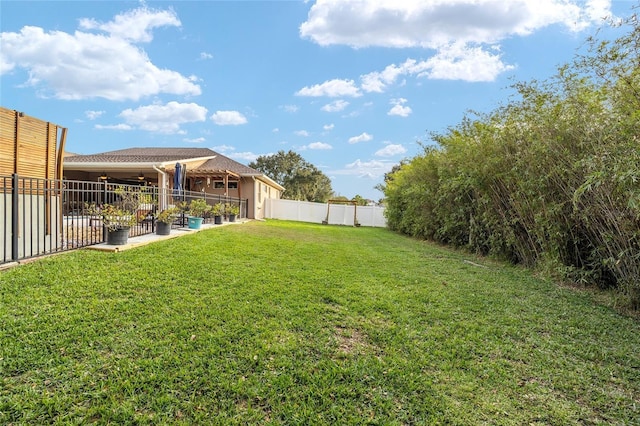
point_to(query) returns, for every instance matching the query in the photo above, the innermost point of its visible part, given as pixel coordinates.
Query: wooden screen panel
(27, 145)
(7, 141)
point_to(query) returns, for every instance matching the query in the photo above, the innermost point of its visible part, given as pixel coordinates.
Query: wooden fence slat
(27, 145)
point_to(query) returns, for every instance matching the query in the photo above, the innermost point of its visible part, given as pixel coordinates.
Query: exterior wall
(207, 185)
(246, 188)
(263, 193)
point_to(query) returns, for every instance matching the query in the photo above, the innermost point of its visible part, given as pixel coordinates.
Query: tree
(301, 179)
(360, 200)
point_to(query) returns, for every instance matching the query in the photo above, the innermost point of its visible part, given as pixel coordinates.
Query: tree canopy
(301, 179)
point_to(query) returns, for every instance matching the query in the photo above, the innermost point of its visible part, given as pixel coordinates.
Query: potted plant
(232, 211)
(218, 212)
(164, 219)
(118, 217)
(197, 210)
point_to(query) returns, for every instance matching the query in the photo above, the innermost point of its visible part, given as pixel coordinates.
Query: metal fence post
(15, 223)
(104, 201)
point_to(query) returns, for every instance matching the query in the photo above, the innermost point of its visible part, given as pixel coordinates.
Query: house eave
(268, 180)
(114, 165)
(109, 165)
(186, 160)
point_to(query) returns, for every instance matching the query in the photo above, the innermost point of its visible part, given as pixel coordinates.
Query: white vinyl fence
(338, 214)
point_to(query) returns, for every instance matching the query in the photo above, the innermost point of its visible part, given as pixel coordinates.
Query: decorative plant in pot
(218, 212)
(164, 219)
(232, 211)
(197, 209)
(118, 217)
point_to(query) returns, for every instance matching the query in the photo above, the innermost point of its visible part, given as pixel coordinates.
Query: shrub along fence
(551, 180)
(45, 216)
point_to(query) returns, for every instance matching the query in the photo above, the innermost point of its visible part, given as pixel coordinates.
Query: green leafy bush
(550, 180)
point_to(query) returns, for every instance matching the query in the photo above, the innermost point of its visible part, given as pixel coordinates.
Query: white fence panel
(339, 214)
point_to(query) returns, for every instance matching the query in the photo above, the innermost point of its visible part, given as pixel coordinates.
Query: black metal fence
(45, 216)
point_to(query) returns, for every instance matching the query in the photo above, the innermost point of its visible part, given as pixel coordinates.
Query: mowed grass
(290, 323)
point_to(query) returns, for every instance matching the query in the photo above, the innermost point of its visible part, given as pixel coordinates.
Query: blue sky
(352, 86)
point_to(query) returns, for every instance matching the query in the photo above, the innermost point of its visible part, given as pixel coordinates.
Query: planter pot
(217, 220)
(163, 228)
(232, 218)
(195, 222)
(119, 236)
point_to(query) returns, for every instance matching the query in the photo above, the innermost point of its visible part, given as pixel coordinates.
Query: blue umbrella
(177, 181)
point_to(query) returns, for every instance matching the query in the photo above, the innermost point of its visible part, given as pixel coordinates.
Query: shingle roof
(142, 155)
(163, 155)
(220, 162)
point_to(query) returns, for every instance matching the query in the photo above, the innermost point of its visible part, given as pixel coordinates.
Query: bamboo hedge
(550, 180)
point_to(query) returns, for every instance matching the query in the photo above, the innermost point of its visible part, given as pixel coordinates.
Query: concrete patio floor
(142, 240)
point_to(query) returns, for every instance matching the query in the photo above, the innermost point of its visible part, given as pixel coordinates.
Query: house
(206, 171)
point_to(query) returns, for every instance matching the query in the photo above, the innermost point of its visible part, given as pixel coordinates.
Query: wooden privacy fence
(29, 146)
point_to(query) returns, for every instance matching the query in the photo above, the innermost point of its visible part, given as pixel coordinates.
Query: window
(219, 184)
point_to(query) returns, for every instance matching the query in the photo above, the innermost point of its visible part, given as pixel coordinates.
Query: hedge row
(550, 180)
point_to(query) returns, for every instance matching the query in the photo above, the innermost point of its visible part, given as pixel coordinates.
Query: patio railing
(45, 216)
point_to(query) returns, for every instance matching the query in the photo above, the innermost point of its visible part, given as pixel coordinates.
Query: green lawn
(289, 323)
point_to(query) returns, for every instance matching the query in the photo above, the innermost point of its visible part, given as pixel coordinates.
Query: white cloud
(452, 62)
(399, 109)
(275, 130)
(328, 127)
(291, 108)
(302, 133)
(391, 150)
(164, 118)
(319, 145)
(373, 169)
(223, 148)
(85, 65)
(378, 81)
(364, 137)
(431, 24)
(205, 56)
(331, 88)
(121, 126)
(246, 156)
(463, 33)
(228, 118)
(461, 62)
(335, 106)
(194, 140)
(92, 115)
(134, 25)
